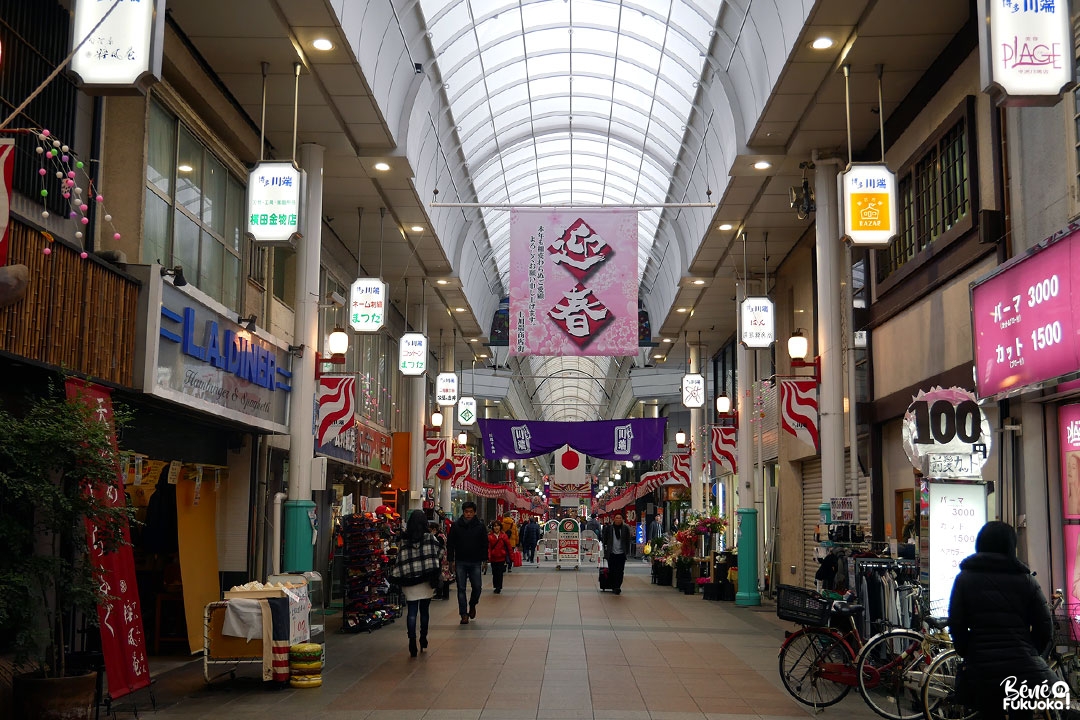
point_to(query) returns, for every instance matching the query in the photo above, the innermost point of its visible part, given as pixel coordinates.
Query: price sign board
(1025, 317)
(569, 537)
(842, 509)
(946, 434)
(957, 511)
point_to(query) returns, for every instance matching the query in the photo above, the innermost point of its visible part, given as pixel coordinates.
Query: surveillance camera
(337, 299)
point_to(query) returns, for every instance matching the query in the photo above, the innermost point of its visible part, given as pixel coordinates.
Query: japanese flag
(570, 471)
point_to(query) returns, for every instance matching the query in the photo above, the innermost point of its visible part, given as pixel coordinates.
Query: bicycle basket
(802, 606)
(1067, 626)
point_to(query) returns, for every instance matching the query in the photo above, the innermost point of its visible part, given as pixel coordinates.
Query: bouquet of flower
(706, 524)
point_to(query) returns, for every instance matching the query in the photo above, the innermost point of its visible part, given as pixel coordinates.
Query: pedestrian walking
(1001, 626)
(498, 554)
(511, 529)
(616, 538)
(530, 536)
(467, 551)
(416, 570)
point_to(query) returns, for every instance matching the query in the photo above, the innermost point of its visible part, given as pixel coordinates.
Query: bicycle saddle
(937, 623)
(840, 608)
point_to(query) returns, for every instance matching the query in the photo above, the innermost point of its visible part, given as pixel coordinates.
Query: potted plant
(56, 459)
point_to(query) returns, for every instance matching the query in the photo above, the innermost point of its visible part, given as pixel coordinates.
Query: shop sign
(206, 361)
(946, 434)
(1069, 441)
(466, 411)
(842, 509)
(870, 213)
(367, 304)
(758, 326)
(1025, 317)
(693, 390)
(124, 51)
(569, 537)
(412, 354)
(273, 207)
(446, 389)
(956, 512)
(1026, 50)
(372, 449)
(343, 446)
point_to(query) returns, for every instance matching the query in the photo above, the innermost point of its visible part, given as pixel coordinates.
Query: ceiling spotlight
(699, 281)
(682, 310)
(459, 309)
(669, 340)
(322, 44)
(725, 226)
(417, 228)
(473, 340)
(440, 282)
(381, 166)
(822, 43)
(658, 357)
(762, 165)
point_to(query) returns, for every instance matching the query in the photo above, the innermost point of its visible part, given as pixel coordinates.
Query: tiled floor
(550, 646)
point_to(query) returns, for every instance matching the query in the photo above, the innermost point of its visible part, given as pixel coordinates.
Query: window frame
(963, 112)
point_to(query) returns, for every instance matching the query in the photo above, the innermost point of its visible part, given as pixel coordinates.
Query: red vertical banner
(7, 170)
(123, 643)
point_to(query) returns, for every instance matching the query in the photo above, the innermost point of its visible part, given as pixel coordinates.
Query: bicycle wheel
(803, 659)
(1067, 667)
(890, 669)
(939, 690)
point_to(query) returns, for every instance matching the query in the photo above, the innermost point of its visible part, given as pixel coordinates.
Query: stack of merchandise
(305, 665)
(368, 604)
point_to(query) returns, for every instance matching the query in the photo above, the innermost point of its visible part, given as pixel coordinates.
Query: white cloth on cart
(243, 618)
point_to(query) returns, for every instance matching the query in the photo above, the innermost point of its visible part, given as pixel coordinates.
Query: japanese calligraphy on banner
(273, 203)
(1025, 317)
(446, 389)
(123, 644)
(7, 168)
(412, 354)
(573, 282)
(870, 212)
(1025, 50)
(124, 53)
(367, 304)
(1069, 440)
(757, 328)
(946, 434)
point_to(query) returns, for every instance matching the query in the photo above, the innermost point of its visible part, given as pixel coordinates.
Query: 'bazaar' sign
(870, 212)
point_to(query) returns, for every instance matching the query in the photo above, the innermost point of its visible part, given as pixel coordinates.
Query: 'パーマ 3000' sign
(1025, 318)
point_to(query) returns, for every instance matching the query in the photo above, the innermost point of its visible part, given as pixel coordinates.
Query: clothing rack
(883, 586)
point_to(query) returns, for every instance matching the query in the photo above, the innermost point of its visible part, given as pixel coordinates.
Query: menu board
(1026, 318)
(957, 513)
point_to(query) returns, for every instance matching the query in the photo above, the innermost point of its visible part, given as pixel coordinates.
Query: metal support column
(829, 345)
(747, 532)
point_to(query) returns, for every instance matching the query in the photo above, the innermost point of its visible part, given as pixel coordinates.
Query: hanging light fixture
(798, 345)
(338, 342)
(629, 463)
(436, 419)
(510, 465)
(723, 404)
(463, 438)
(680, 438)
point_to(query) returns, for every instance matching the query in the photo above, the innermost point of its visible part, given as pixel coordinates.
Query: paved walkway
(551, 646)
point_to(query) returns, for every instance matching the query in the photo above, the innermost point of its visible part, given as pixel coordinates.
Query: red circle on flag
(570, 460)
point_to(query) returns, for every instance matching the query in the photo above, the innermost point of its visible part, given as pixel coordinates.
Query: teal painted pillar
(299, 550)
(748, 594)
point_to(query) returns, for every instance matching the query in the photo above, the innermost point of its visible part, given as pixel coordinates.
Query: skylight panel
(547, 40)
(542, 14)
(462, 78)
(542, 87)
(645, 25)
(601, 42)
(510, 98)
(643, 54)
(600, 108)
(455, 53)
(498, 80)
(495, 27)
(691, 22)
(603, 13)
(502, 52)
(445, 27)
(592, 86)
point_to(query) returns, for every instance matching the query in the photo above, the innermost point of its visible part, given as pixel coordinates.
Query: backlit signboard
(123, 53)
(870, 213)
(1026, 50)
(758, 326)
(273, 207)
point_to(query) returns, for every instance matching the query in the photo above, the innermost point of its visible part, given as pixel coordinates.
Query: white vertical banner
(570, 478)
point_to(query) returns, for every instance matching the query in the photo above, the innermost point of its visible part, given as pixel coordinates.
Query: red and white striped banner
(799, 409)
(336, 395)
(462, 468)
(434, 455)
(679, 472)
(725, 448)
(680, 468)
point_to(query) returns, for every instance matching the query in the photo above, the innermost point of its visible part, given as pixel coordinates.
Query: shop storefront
(210, 388)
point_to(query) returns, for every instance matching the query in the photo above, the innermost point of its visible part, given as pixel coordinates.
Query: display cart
(221, 649)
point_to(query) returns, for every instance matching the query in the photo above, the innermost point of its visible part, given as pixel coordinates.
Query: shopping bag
(516, 555)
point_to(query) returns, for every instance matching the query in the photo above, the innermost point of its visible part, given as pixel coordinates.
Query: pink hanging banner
(573, 282)
(7, 170)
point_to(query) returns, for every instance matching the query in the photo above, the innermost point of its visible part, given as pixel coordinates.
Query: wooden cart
(221, 649)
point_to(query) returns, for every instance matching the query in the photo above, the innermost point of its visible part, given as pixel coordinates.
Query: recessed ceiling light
(669, 340)
(440, 282)
(184, 168)
(483, 355)
(459, 309)
(473, 340)
(417, 228)
(822, 43)
(322, 44)
(680, 309)
(725, 226)
(699, 281)
(762, 165)
(381, 166)
(657, 357)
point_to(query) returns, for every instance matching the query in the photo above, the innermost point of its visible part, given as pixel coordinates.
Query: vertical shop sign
(466, 411)
(1026, 50)
(123, 44)
(693, 390)
(367, 304)
(123, 643)
(7, 168)
(870, 212)
(412, 354)
(957, 511)
(446, 389)
(757, 326)
(273, 207)
(1069, 440)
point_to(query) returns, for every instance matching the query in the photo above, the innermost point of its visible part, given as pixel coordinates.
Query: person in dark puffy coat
(1000, 624)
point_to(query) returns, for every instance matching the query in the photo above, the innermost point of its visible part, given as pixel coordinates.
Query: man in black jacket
(467, 553)
(616, 539)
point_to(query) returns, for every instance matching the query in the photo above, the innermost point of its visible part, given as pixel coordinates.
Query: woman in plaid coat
(419, 557)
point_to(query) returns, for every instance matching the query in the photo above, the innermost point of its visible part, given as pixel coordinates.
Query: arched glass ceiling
(562, 102)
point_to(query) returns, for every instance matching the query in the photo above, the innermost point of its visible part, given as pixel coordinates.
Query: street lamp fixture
(337, 345)
(463, 438)
(510, 465)
(723, 405)
(680, 438)
(436, 419)
(797, 347)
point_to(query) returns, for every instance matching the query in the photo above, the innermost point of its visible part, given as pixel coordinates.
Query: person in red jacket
(498, 554)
